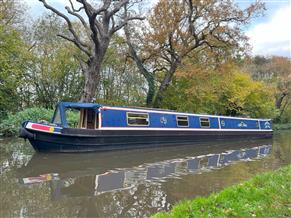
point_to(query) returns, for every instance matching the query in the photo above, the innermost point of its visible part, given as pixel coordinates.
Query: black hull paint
(101, 140)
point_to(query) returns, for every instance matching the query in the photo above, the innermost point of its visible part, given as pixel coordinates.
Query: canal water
(128, 183)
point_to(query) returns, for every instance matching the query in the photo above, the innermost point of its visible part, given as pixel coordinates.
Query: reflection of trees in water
(13, 155)
(17, 200)
(132, 192)
(139, 201)
(282, 146)
(141, 194)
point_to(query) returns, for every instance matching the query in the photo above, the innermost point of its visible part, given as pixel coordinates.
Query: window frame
(66, 116)
(204, 127)
(57, 112)
(184, 120)
(143, 113)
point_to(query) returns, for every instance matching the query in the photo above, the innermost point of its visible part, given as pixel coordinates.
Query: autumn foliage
(222, 90)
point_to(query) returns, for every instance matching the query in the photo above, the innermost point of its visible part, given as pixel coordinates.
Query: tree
(12, 66)
(280, 68)
(13, 55)
(53, 73)
(224, 90)
(100, 22)
(120, 83)
(276, 72)
(142, 65)
(11, 12)
(178, 29)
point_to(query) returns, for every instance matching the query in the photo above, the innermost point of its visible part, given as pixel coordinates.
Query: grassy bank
(282, 126)
(266, 195)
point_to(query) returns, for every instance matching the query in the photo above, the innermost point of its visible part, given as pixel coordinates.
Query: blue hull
(102, 140)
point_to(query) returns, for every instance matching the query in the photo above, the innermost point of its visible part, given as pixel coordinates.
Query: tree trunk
(92, 80)
(151, 91)
(150, 81)
(93, 71)
(283, 108)
(280, 99)
(164, 85)
(140, 65)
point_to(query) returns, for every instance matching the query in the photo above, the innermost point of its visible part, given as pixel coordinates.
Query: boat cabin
(76, 115)
(96, 116)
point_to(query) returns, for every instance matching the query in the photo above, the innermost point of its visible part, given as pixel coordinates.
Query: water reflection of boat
(69, 175)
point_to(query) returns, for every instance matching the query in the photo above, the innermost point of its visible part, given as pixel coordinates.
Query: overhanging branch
(74, 41)
(77, 40)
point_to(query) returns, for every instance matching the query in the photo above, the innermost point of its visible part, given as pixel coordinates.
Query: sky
(268, 35)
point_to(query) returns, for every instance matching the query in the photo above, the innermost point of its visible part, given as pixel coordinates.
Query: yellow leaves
(166, 15)
(275, 72)
(168, 25)
(224, 90)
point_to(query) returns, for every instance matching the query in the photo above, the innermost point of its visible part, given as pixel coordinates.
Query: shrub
(73, 117)
(11, 125)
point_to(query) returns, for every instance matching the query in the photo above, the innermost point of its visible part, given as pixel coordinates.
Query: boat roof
(78, 105)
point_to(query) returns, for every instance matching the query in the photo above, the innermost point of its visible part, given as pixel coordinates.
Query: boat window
(204, 122)
(182, 121)
(137, 119)
(73, 117)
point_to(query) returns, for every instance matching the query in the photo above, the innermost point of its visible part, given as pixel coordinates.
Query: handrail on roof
(78, 105)
(147, 108)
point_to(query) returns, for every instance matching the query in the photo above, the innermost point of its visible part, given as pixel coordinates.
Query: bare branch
(122, 24)
(117, 7)
(72, 12)
(32, 46)
(92, 14)
(77, 40)
(75, 10)
(77, 44)
(135, 56)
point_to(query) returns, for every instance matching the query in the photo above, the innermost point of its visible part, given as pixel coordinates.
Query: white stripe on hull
(187, 129)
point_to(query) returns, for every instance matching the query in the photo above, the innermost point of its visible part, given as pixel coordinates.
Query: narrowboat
(82, 127)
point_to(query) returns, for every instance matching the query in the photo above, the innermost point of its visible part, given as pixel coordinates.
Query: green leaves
(11, 125)
(54, 73)
(222, 90)
(12, 67)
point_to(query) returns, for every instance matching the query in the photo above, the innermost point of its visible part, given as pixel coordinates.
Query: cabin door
(88, 118)
(91, 119)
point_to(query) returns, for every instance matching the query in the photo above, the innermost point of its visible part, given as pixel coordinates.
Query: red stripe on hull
(40, 127)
